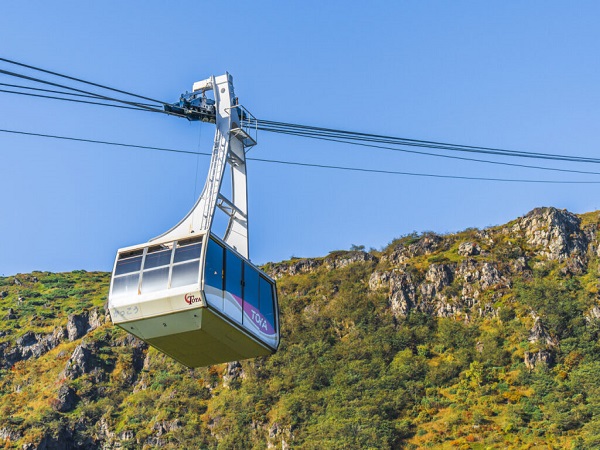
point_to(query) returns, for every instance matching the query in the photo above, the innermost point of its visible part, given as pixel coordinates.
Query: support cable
(305, 132)
(29, 88)
(301, 164)
(437, 155)
(267, 126)
(73, 100)
(321, 133)
(99, 96)
(9, 61)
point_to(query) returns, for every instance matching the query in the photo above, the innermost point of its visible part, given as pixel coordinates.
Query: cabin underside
(196, 337)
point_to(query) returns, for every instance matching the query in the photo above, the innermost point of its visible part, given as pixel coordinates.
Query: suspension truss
(232, 139)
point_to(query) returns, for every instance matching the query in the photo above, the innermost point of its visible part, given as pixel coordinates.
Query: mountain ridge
(477, 339)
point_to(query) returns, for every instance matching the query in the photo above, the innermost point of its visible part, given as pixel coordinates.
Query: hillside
(480, 339)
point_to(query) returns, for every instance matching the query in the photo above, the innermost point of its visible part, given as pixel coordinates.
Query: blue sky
(510, 74)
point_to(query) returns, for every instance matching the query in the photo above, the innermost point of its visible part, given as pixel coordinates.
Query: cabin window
(155, 275)
(214, 266)
(187, 252)
(157, 257)
(125, 285)
(129, 262)
(160, 266)
(267, 301)
(186, 263)
(251, 286)
(155, 279)
(232, 302)
(184, 274)
(127, 273)
(233, 274)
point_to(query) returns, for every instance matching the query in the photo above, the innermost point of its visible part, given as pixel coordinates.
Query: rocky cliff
(482, 338)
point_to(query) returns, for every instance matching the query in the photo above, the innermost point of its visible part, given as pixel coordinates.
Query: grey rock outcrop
(426, 244)
(379, 279)
(233, 372)
(539, 358)
(344, 259)
(127, 435)
(518, 265)
(82, 361)
(67, 399)
(539, 334)
(576, 265)
(403, 293)
(438, 276)
(469, 278)
(402, 290)
(78, 325)
(33, 345)
(61, 440)
(593, 314)
(30, 345)
(295, 267)
(94, 319)
(469, 249)
(485, 274)
(554, 233)
(9, 434)
(490, 276)
(279, 437)
(160, 429)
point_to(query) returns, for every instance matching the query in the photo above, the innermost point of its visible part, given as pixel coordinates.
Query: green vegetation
(350, 374)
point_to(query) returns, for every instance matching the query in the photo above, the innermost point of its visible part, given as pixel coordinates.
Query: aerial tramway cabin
(191, 294)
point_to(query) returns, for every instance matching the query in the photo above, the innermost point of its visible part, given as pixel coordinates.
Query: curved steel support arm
(228, 149)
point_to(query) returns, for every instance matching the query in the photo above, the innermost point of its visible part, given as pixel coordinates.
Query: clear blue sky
(511, 74)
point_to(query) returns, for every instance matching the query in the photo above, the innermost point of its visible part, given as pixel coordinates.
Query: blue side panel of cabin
(238, 290)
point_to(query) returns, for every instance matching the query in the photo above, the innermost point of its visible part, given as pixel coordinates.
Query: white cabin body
(192, 295)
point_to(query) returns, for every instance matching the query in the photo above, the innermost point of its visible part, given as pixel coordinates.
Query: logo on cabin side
(260, 321)
(190, 298)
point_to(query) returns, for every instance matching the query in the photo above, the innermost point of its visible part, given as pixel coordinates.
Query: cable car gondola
(191, 294)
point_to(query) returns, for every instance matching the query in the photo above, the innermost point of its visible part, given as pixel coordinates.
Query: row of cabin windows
(157, 268)
(225, 271)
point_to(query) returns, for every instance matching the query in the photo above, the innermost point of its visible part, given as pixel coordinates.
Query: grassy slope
(347, 375)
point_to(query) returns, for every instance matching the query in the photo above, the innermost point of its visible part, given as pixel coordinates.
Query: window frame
(145, 251)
